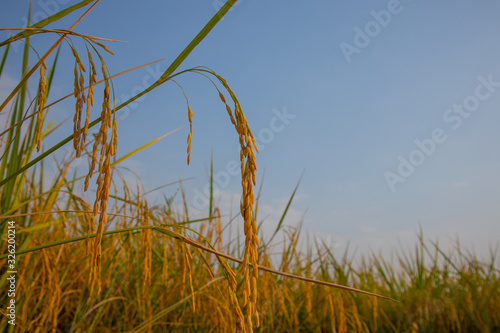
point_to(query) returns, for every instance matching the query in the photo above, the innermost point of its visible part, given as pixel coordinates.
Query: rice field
(118, 263)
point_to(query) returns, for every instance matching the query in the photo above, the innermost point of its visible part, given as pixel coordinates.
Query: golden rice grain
(189, 257)
(104, 168)
(81, 99)
(77, 59)
(240, 319)
(332, 311)
(146, 246)
(248, 168)
(78, 108)
(89, 102)
(223, 99)
(375, 311)
(341, 314)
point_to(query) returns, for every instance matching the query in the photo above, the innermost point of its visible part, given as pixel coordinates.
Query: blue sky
(347, 119)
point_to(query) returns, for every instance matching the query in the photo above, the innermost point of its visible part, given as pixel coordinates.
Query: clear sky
(390, 108)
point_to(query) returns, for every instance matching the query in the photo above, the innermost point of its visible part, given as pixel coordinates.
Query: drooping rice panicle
(89, 101)
(108, 149)
(79, 93)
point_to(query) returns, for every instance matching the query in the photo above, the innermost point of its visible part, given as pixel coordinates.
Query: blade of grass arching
(284, 213)
(44, 22)
(164, 77)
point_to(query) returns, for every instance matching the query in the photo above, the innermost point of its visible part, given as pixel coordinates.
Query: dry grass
(154, 277)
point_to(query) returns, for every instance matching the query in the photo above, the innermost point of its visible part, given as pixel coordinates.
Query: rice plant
(117, 263)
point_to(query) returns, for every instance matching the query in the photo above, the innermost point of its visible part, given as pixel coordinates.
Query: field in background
(438, 292)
